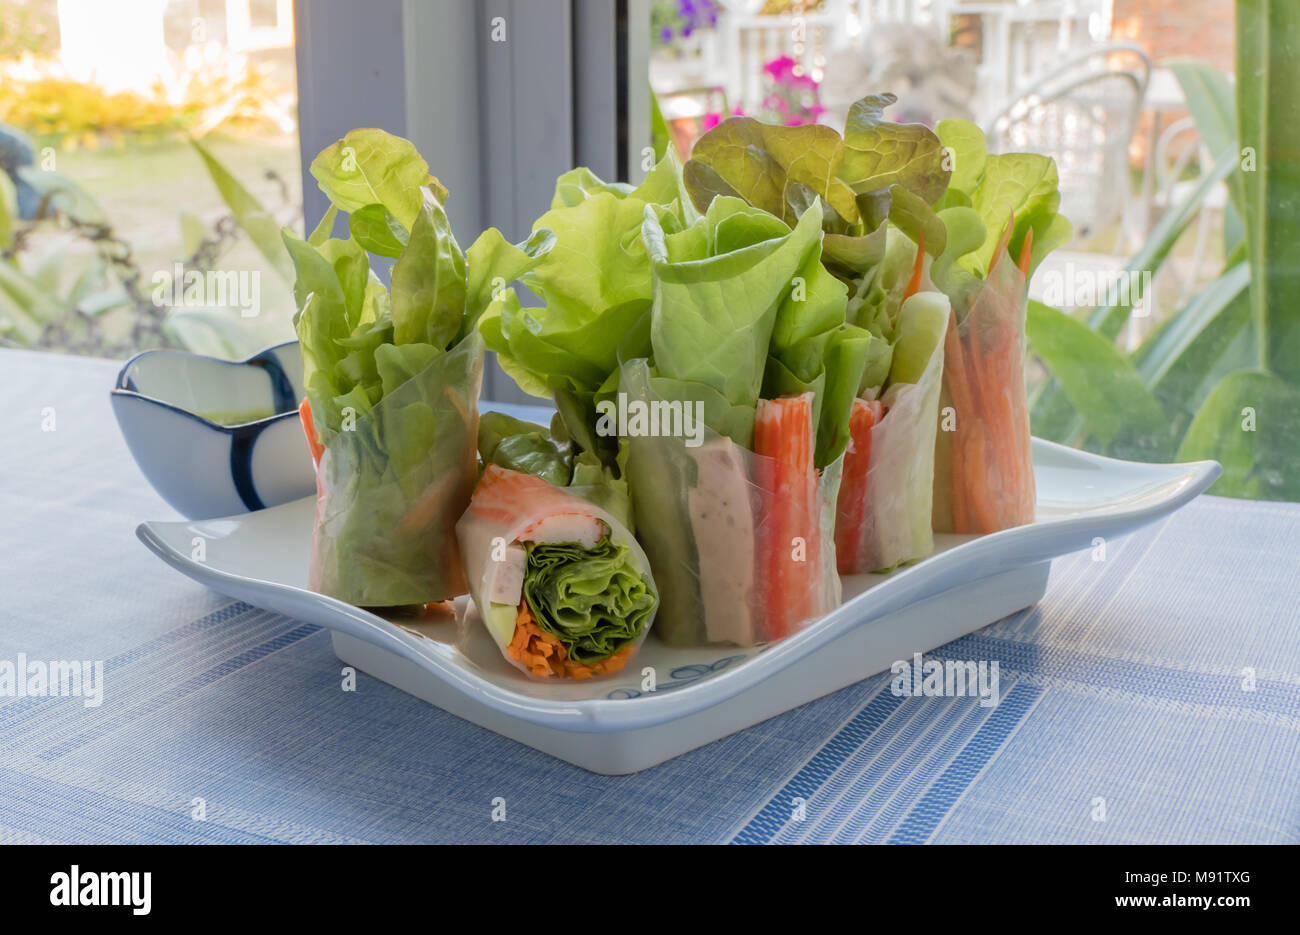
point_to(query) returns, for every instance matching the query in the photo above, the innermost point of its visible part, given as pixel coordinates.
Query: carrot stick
(309, 427)
(1026, 253)
(954, 363)
(957, 496)
(918, 269)
(983, 513)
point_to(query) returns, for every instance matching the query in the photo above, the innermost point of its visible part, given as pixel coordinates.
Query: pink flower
(780, 68)
(710, 121)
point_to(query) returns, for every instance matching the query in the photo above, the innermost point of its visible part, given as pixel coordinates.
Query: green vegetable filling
(592, 600)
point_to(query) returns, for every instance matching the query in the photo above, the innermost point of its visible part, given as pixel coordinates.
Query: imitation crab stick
(851, 507)
(788, 552)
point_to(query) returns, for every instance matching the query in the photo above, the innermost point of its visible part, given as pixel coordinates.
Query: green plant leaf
(1051, 412)
(1101, 384)
(1110, 320)
(27, 294)
(23, 306)
(1249, 424)
(1177, 358)
(8, 209)
(255, 220)
(1209, 96)
(1210, 101)
(1268, 108)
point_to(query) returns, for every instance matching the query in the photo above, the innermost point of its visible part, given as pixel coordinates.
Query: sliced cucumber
(923, 320)
(500, 620)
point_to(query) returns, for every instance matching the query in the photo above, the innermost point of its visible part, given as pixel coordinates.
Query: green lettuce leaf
(593, 600)
(879, 153)
(997, 188)
(768, 166)
(523, 446)
(369, 167)
(587, 267)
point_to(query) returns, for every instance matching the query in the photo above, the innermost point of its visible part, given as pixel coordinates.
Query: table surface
(1153, 696)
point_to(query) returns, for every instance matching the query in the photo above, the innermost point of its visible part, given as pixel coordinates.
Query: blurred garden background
(99, 105)
(138, 134)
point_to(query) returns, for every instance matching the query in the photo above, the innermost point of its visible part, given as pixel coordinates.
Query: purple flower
(666, 35)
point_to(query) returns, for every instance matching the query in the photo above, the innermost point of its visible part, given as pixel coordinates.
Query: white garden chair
(1084, 114)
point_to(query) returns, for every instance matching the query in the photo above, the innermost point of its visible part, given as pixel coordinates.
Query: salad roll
(740, 539)
(392, 374)
(747, 325)
(561, 585)
(886, 493)
(1002, 221)
(877, 186)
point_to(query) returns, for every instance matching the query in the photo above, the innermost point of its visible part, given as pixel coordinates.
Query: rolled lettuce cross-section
(562, 586)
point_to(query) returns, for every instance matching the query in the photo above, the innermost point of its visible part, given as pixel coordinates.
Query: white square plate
(614, 724)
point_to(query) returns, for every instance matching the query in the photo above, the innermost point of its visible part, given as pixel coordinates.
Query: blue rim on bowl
(242, 435)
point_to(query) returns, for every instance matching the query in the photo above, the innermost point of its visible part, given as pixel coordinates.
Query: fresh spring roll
(886, 494)
(1002, 223)
(741, 540)
(391, 485)
(984, 472)
(562, 586)
(392, 372)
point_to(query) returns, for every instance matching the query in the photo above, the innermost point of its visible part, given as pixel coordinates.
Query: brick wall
(1178, 28)
(1168, 29)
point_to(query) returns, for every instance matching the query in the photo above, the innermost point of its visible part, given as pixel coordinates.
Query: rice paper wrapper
(984, 473)
(727, 568)
(884, 519)
(389, 491)
(509, 509)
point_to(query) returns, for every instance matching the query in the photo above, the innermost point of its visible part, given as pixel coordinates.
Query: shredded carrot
(545, 656)
(918, 269)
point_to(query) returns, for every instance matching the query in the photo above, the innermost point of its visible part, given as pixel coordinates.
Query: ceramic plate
(671, 700)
